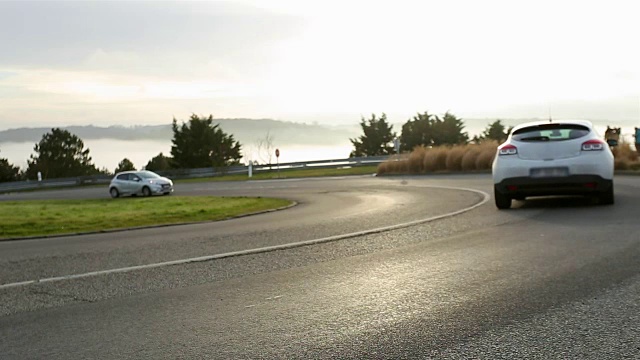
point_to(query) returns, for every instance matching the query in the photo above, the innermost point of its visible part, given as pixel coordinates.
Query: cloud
(143, 37)
(104, 62)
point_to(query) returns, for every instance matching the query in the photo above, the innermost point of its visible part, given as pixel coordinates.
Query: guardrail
(195, 173)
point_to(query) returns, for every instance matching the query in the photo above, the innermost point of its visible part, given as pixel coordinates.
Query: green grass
(56, 217)
(288, 174)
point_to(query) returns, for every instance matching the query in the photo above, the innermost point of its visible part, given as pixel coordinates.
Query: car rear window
(550, 132)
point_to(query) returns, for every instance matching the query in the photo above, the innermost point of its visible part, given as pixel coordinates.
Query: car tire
(606, 197)
(502, 201)
(114, 193)
(167, 193)
(146, 191)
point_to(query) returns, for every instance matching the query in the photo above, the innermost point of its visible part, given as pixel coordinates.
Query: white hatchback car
(144, 182)
(553, 158)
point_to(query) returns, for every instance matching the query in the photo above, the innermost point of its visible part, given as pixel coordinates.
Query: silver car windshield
(148, 175)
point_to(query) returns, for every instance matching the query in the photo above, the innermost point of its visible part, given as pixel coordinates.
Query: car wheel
(606, 197)
(146, 191)
(502, 201)
(167, 193)
(114, 192)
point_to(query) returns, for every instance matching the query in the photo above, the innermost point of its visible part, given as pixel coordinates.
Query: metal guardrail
(195, 173)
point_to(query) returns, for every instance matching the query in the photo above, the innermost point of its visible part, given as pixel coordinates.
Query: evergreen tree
(198, 144)
(449, 131)
(159, 163)
(124, 165)
(8, 172)
(417, 131)
(377, 138)
(60, 154)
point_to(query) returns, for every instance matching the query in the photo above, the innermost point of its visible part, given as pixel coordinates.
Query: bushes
(454, 158)
(435, 159)
(474, 157)
(469, 157)
(626, 157)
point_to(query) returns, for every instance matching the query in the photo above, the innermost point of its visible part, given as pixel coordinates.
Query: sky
(136, 63)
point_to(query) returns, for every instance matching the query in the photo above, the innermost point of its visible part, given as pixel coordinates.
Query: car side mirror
(612, 142)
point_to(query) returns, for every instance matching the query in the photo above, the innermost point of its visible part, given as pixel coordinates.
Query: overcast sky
(106, 63)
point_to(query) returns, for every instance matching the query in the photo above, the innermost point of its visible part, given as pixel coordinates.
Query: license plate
(550, 172)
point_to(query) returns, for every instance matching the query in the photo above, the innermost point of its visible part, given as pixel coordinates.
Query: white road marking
(485, 199)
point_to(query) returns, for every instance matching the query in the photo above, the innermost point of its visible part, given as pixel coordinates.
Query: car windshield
(550, 132)
(148, 175)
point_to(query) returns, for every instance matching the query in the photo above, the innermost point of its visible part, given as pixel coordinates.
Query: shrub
(625, 151)
(393, 166)
(470, 157)
(621, 164)
(454, 158)
(416, 159)
(436, 159)
(487, 153)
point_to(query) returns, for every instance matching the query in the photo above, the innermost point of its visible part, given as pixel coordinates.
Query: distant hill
(245, 130)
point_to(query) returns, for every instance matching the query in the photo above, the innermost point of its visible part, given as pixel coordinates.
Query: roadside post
(278, 161)
(250, 168)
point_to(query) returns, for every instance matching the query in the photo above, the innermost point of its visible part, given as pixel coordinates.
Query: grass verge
(56, 217)
(289, 173)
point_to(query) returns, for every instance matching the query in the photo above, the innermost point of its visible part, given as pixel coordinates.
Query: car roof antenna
(549, 113)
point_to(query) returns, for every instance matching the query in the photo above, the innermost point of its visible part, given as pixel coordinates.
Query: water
(107, 153)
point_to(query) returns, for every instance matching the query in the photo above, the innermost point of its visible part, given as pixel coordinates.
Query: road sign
(277, 152)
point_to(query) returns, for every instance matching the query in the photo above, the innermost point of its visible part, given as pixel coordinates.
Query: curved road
(551, 278)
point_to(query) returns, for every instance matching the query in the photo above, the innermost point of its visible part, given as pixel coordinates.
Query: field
(55, 217)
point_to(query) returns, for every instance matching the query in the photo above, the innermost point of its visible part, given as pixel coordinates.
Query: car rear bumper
(569, 185)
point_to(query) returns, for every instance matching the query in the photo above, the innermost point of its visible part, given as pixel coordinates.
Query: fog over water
(107, 153)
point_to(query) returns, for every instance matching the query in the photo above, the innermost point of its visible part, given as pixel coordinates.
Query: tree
(416, 132)
(448, 130)
(8, 172)
(125, 165)
(60, 154)
(265, 149)
(199, 144)
(377, 138)
(159, 163)
(495, 131)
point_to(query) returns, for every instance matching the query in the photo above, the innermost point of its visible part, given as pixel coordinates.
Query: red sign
(277, 152)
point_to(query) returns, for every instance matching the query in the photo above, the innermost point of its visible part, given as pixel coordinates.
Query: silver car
(145, 183)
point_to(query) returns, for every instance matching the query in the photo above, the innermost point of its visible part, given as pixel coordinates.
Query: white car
(553, 158)
(145, 183)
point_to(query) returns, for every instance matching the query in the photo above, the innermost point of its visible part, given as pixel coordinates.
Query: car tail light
(507, 150)
(593, 145)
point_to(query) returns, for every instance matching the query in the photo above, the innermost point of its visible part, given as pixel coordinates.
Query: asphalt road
(553, 278)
